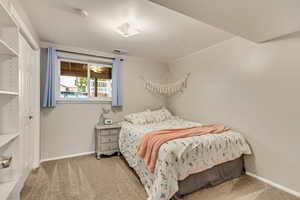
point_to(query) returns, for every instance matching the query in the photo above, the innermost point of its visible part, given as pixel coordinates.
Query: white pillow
(138, 118)
(159, 116)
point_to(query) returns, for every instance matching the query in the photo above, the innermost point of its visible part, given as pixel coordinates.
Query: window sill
(83, 101)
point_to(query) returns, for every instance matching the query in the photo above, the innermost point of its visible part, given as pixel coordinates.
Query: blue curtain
(49, 96)
(117, 94)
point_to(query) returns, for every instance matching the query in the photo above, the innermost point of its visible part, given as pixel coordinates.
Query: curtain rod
(85, 54)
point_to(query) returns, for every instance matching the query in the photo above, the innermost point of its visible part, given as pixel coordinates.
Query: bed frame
(208, 178)
(211, 177)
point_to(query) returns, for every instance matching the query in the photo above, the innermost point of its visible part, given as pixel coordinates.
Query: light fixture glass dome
(127, 30)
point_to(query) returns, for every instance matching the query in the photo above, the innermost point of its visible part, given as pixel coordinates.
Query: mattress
(178, 158)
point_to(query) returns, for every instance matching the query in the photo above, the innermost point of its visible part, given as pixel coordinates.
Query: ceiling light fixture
(97, 69)
(127, 30)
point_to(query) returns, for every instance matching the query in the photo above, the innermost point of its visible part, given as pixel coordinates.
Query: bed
(184, 164)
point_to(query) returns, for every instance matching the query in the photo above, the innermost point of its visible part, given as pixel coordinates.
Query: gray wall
(253, 88)
(69, 128)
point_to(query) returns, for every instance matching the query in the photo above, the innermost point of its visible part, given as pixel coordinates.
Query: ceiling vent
(120, 52)
(81, 12)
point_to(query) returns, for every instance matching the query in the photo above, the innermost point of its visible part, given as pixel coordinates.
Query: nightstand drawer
(110, 132)
(109, 139)
(106, 132)
(109, 146)
(115, 131)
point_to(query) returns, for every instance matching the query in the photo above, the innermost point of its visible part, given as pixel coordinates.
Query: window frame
(79, 100)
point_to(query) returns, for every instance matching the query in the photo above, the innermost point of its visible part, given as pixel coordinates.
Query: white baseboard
(281, 187)
(67, 156)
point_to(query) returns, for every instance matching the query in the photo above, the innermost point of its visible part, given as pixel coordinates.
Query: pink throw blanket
(151, 142)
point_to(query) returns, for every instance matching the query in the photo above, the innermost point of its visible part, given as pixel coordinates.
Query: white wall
(69, 128)
(253, 88)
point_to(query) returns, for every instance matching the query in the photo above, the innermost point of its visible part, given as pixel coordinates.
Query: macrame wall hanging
(168, 89)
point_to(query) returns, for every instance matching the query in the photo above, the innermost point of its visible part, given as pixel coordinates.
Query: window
(84, 81)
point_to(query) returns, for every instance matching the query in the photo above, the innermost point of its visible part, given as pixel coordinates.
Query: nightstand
(107, 139)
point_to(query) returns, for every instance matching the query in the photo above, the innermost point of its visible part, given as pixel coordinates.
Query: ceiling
(166, 34)
(256, 20)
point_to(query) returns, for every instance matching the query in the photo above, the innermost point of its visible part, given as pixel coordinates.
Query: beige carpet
(85, 178)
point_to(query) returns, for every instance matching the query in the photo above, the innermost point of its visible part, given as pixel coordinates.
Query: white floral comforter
(178, 158)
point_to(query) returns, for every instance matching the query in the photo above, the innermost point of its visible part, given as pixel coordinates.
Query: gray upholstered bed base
(211, 177)
(208, 178)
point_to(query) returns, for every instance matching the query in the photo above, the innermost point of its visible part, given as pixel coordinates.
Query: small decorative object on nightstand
(102, 117)
(107, 139)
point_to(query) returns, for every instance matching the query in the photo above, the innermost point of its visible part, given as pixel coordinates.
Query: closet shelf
(8, 93)
(7, 188)
(5, 49)
(4, 139)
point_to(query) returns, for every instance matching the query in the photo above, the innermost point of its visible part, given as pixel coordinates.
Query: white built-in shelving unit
(7, 188)
(3, 92)
(19, 101)
(5, 49)
(9, 99)
(6, 138)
